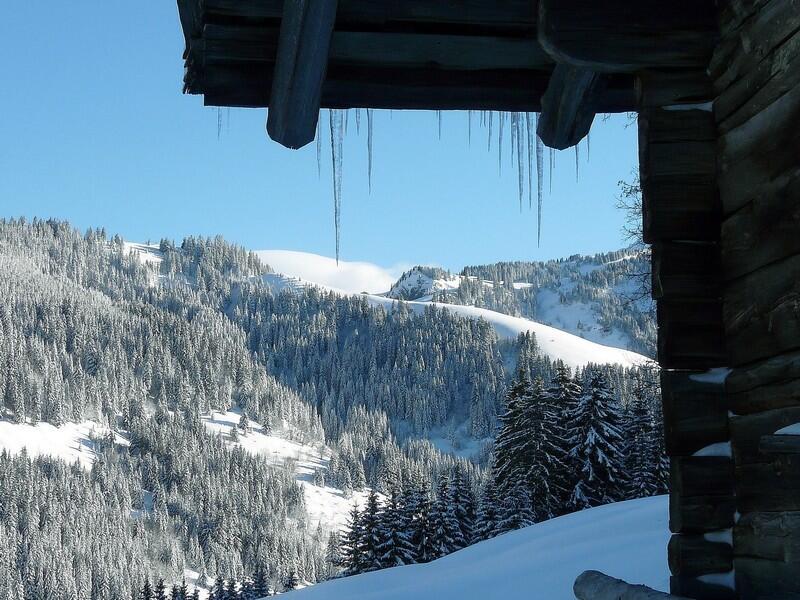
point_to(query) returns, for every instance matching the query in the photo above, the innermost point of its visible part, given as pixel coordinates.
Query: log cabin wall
(756, 76)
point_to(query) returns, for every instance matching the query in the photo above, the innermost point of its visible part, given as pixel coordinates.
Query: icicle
(358, 121)
(588, 144)
(540, 181)
(520, 157)
(500, 144)
(219, 122)
(552, 160)
(491, 113)
(469, 128)
(530, 133)
(346, 115)
(369, 148)
(319, 147)
(337, 133)
(227, 119)
(577, 159)
(439, 118)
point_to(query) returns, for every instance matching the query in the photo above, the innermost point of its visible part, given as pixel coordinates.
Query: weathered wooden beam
(755, 576)
(677, 169)
(226, 43)
(619, 35)
(768, 384)
(769, 536)
(698, 587)
(593, 585)
(657, 88)
(690, 334)
(302, 60)
(699, 514)
(568, 106)
(779, 444)
(692, 555)
(769, 486)
(695, 413)
(685, 270)
(747, 432)
(762, 312)
(701, 494)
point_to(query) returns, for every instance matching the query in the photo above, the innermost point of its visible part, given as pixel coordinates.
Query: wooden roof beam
(568, 106)
(621, 36)
(301, 63)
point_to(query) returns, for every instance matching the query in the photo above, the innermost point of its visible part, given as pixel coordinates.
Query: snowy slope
(350, 277)
(71, 442)
(326, 505)
(557, 344)
(626, 540)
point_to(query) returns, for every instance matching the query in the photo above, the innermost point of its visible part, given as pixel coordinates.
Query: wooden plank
(226, 43)
(302, 60)
(695, 412)
(685, 270)
(762, 312)
(692, 476)
(765, 385)
(514, 15)
(747, 432)
(618, 35)
(690, 334)
(762, 232)
(568, 106)
(656, 88)
(693, 555)
(769, 536)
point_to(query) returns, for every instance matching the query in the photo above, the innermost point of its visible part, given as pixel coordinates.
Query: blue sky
(95, 130)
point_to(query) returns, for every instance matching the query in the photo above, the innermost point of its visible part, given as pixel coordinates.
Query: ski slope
(575, 351)
(627, 540)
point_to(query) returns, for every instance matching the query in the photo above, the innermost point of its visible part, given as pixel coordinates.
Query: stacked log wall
(756, 75)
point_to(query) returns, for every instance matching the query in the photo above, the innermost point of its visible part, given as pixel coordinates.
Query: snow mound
(627, 540)
(71, 442)
(350, 277)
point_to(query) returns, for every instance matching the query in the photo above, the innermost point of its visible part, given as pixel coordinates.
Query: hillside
(627, 540)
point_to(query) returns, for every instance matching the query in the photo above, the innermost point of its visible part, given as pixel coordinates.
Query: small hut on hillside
(716, 84)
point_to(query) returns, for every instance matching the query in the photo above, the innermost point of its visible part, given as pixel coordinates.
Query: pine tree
(596, 446)
(292, 581)
(463, 507)
(394, 547)
(488, 513)
(641, 450)
(515, 509)
(443, 523)
(161, 590)
(370, 538)
(563, 395)
(260, 584)
(147, 591)
(218, 590)
(352, 556)
(507, 467)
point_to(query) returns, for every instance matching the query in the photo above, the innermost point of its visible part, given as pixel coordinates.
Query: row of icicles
(527, 150)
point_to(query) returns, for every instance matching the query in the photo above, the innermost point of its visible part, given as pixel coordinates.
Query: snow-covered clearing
(146, 253)
(326, 505)
(71, 442)
(626, 540)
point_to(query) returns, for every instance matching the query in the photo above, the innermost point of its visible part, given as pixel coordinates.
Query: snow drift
(627, 540)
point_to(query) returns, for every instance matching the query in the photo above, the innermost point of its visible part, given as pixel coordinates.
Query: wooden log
(656, 88)
(685, 270)
(763, 231)
(593, 585)
(769, 536)
(690, 334)
(769, 486)
(695, 412)
(758, 578)
(618, 35)
(747, 432)
(677, 166)
(302, 60)
(699, 514)
(696, 587)
(779, 444)
(692, 555)
(568, 106)
(765, 385)
(761, 312)
(701, 476)
(759, 156)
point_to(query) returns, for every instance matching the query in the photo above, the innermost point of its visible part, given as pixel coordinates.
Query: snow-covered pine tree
(488, 513)
(443, 523)
(563, 394)
(596, 440)
(508, 466)
(515, 509)
(642, 454)
(352, 556)
(394, 548)
(370, 538)
(463, 506)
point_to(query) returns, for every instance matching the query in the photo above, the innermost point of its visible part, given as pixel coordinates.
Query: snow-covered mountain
(417, 288)
(627, 540)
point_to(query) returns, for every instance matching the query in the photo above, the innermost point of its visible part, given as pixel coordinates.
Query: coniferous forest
(149, 350)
